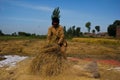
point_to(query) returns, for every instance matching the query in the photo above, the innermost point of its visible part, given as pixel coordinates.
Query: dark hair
(55, 20)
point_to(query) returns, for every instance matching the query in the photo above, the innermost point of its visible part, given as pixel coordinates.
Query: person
(56, 34)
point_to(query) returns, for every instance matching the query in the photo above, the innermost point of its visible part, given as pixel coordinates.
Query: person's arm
(61, 35)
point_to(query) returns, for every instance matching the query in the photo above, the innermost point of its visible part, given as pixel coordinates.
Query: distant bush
(23, 34)
(1, 33)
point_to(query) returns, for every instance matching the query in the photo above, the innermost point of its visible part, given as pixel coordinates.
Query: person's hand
(58, 43)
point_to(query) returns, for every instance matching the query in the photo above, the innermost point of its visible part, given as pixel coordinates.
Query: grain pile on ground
(49, 62)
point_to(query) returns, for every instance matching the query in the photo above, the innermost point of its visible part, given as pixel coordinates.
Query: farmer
(56, 34)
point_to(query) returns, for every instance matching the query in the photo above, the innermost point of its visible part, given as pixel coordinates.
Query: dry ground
(75, 49)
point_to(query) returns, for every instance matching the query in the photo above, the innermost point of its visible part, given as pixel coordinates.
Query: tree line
(73, 31)
(23, 34)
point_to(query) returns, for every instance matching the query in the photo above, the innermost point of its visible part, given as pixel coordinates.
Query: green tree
(87, 25)
(77, 31)
(73, 30)
(97, 28)
(112, 28)
(14, 34)
(1, 33)
(33, 34)
(93, 31)
(65, 32)
(24, 34)
(116, 23)
(56, 13)
(69, 32)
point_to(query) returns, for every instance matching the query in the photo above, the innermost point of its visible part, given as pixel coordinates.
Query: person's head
(55, 21)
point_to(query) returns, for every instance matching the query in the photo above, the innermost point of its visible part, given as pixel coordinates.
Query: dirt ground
(82, 54)
(74, 49)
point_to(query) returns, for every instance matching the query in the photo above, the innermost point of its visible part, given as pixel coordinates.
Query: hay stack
(49, 62)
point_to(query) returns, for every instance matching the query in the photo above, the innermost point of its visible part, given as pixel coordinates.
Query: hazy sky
(34, 16)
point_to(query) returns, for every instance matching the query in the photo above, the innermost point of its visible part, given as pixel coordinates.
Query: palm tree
(97, 28)
(87, 25)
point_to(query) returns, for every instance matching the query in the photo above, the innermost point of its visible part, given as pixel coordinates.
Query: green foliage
(10, 37)
(112, 28)
(65, 32)
(72, 32)
(97, 28)
(1, 33)
(24, 34)
(77, 32)
(14, 34)
(87, 25)
(56, 13)
(93, 31)
(116, 23)
(69, 33)
(41, 36)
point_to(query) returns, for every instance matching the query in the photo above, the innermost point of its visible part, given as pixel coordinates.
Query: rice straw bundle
(49, 62)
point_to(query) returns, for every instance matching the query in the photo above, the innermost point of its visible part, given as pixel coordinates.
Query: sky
(34, 16)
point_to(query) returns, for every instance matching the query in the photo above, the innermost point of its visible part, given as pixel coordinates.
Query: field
(80, 51)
